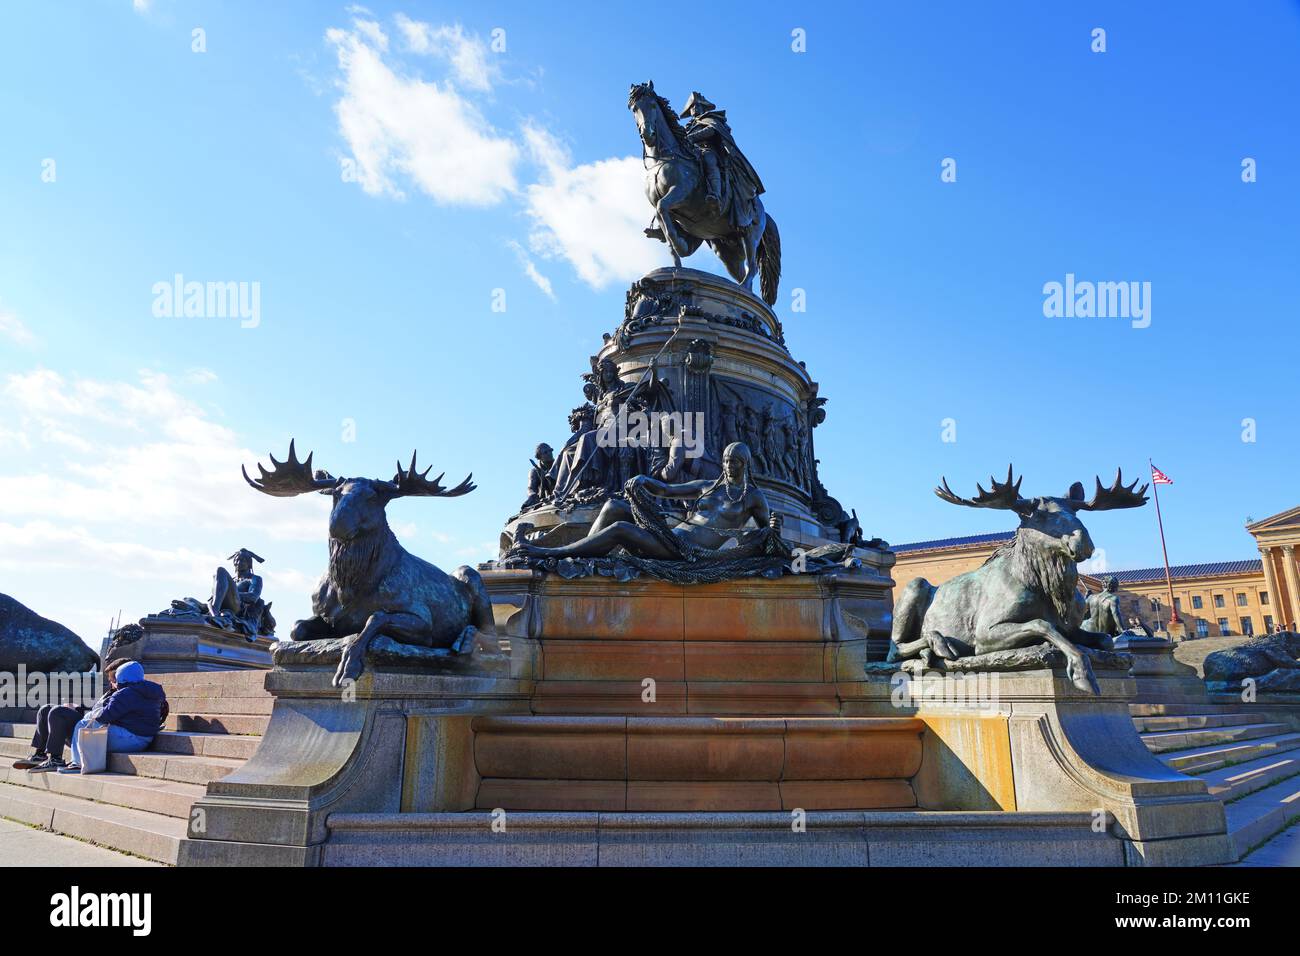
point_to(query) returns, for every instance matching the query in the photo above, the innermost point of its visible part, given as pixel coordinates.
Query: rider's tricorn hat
(245, 553)
(697, 104)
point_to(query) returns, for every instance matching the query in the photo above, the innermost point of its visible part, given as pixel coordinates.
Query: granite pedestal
(169, 645)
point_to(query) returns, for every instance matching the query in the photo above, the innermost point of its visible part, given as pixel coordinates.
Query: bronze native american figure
(704, 189)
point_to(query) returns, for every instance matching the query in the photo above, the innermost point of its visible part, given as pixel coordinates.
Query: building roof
(973, 539)
(1181, 571)
(1136, 576)
(1282, 519)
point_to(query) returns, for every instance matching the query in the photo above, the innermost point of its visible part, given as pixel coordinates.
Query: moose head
(359, 503)
(374, 587)
(1051, 523)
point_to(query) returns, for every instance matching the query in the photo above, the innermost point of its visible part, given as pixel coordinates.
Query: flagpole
(1160, 521)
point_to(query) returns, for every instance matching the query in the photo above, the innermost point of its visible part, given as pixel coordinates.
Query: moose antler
(1002, 495)
(289, 477)
(1118, 495)
(411, 483)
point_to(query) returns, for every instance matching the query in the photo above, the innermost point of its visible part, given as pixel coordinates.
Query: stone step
(182, 768)
(153, 836)
(1167, 741)
(166, 765)
(210, 705)
(234, 724)
(1228, 783)
(238, 747)
(139, 793)
(16, 730)
(1190, 722)
(1202, 759)
(693, 796)
(239, 683)
(14, 748)
(1282, 849)
(243, 724)
(1190, 709)
(235, 746)
(1255, 818)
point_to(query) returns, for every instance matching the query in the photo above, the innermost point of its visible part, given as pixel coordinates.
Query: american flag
(1159, 477)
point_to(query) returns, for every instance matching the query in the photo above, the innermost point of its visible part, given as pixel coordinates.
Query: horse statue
(704, 190)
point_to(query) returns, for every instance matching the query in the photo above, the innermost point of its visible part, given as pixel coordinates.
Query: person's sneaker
(70, 768)
(35, 760)
(54, 764)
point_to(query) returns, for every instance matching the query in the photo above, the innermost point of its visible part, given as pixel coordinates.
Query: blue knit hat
(129, 673)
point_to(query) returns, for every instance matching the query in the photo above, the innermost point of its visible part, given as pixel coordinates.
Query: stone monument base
(648, 723)
(1160, 678)
(169, 646)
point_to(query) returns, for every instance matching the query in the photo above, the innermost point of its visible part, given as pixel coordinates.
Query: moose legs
(907, 640)
(399, 625)
(1005, 637)
(481, 618)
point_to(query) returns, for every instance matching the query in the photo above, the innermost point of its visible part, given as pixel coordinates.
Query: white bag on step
(92, 744)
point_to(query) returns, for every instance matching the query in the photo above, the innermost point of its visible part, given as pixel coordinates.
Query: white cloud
(591, 214)
(141, 6)
(141, 454)
(401, 127)
(126, 494)
(467, 54)
(12, 328)
(1097, 564)
(530, 269)
(405, 131)
(17, 439)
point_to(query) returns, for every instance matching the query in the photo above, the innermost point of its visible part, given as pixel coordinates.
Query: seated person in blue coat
(134, 713)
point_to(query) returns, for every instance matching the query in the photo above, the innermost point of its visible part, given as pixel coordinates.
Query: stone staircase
(142, 804)
(1249, 759)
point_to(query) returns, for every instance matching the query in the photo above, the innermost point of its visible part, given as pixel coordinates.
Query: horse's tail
(769, 261)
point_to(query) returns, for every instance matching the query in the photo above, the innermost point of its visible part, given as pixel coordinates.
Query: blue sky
(379, 173)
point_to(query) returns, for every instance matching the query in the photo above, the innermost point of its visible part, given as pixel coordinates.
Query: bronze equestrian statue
(704, 189)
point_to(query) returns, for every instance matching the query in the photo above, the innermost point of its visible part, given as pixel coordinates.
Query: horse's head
(661, 130)
(642, 100)
(639, 90)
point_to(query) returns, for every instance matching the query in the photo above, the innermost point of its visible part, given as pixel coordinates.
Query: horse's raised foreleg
(674, 196)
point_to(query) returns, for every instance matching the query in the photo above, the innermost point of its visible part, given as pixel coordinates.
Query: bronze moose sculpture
(373, 585)
(1024, 594)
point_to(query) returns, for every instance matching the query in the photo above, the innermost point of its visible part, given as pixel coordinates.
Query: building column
(1275, 602)
(1292, 581)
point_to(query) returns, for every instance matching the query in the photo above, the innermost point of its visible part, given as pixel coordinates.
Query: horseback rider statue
(710, 134)
(704, 189)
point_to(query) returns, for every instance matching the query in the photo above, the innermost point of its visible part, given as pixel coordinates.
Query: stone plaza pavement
(21, 845)
(1281, 850)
